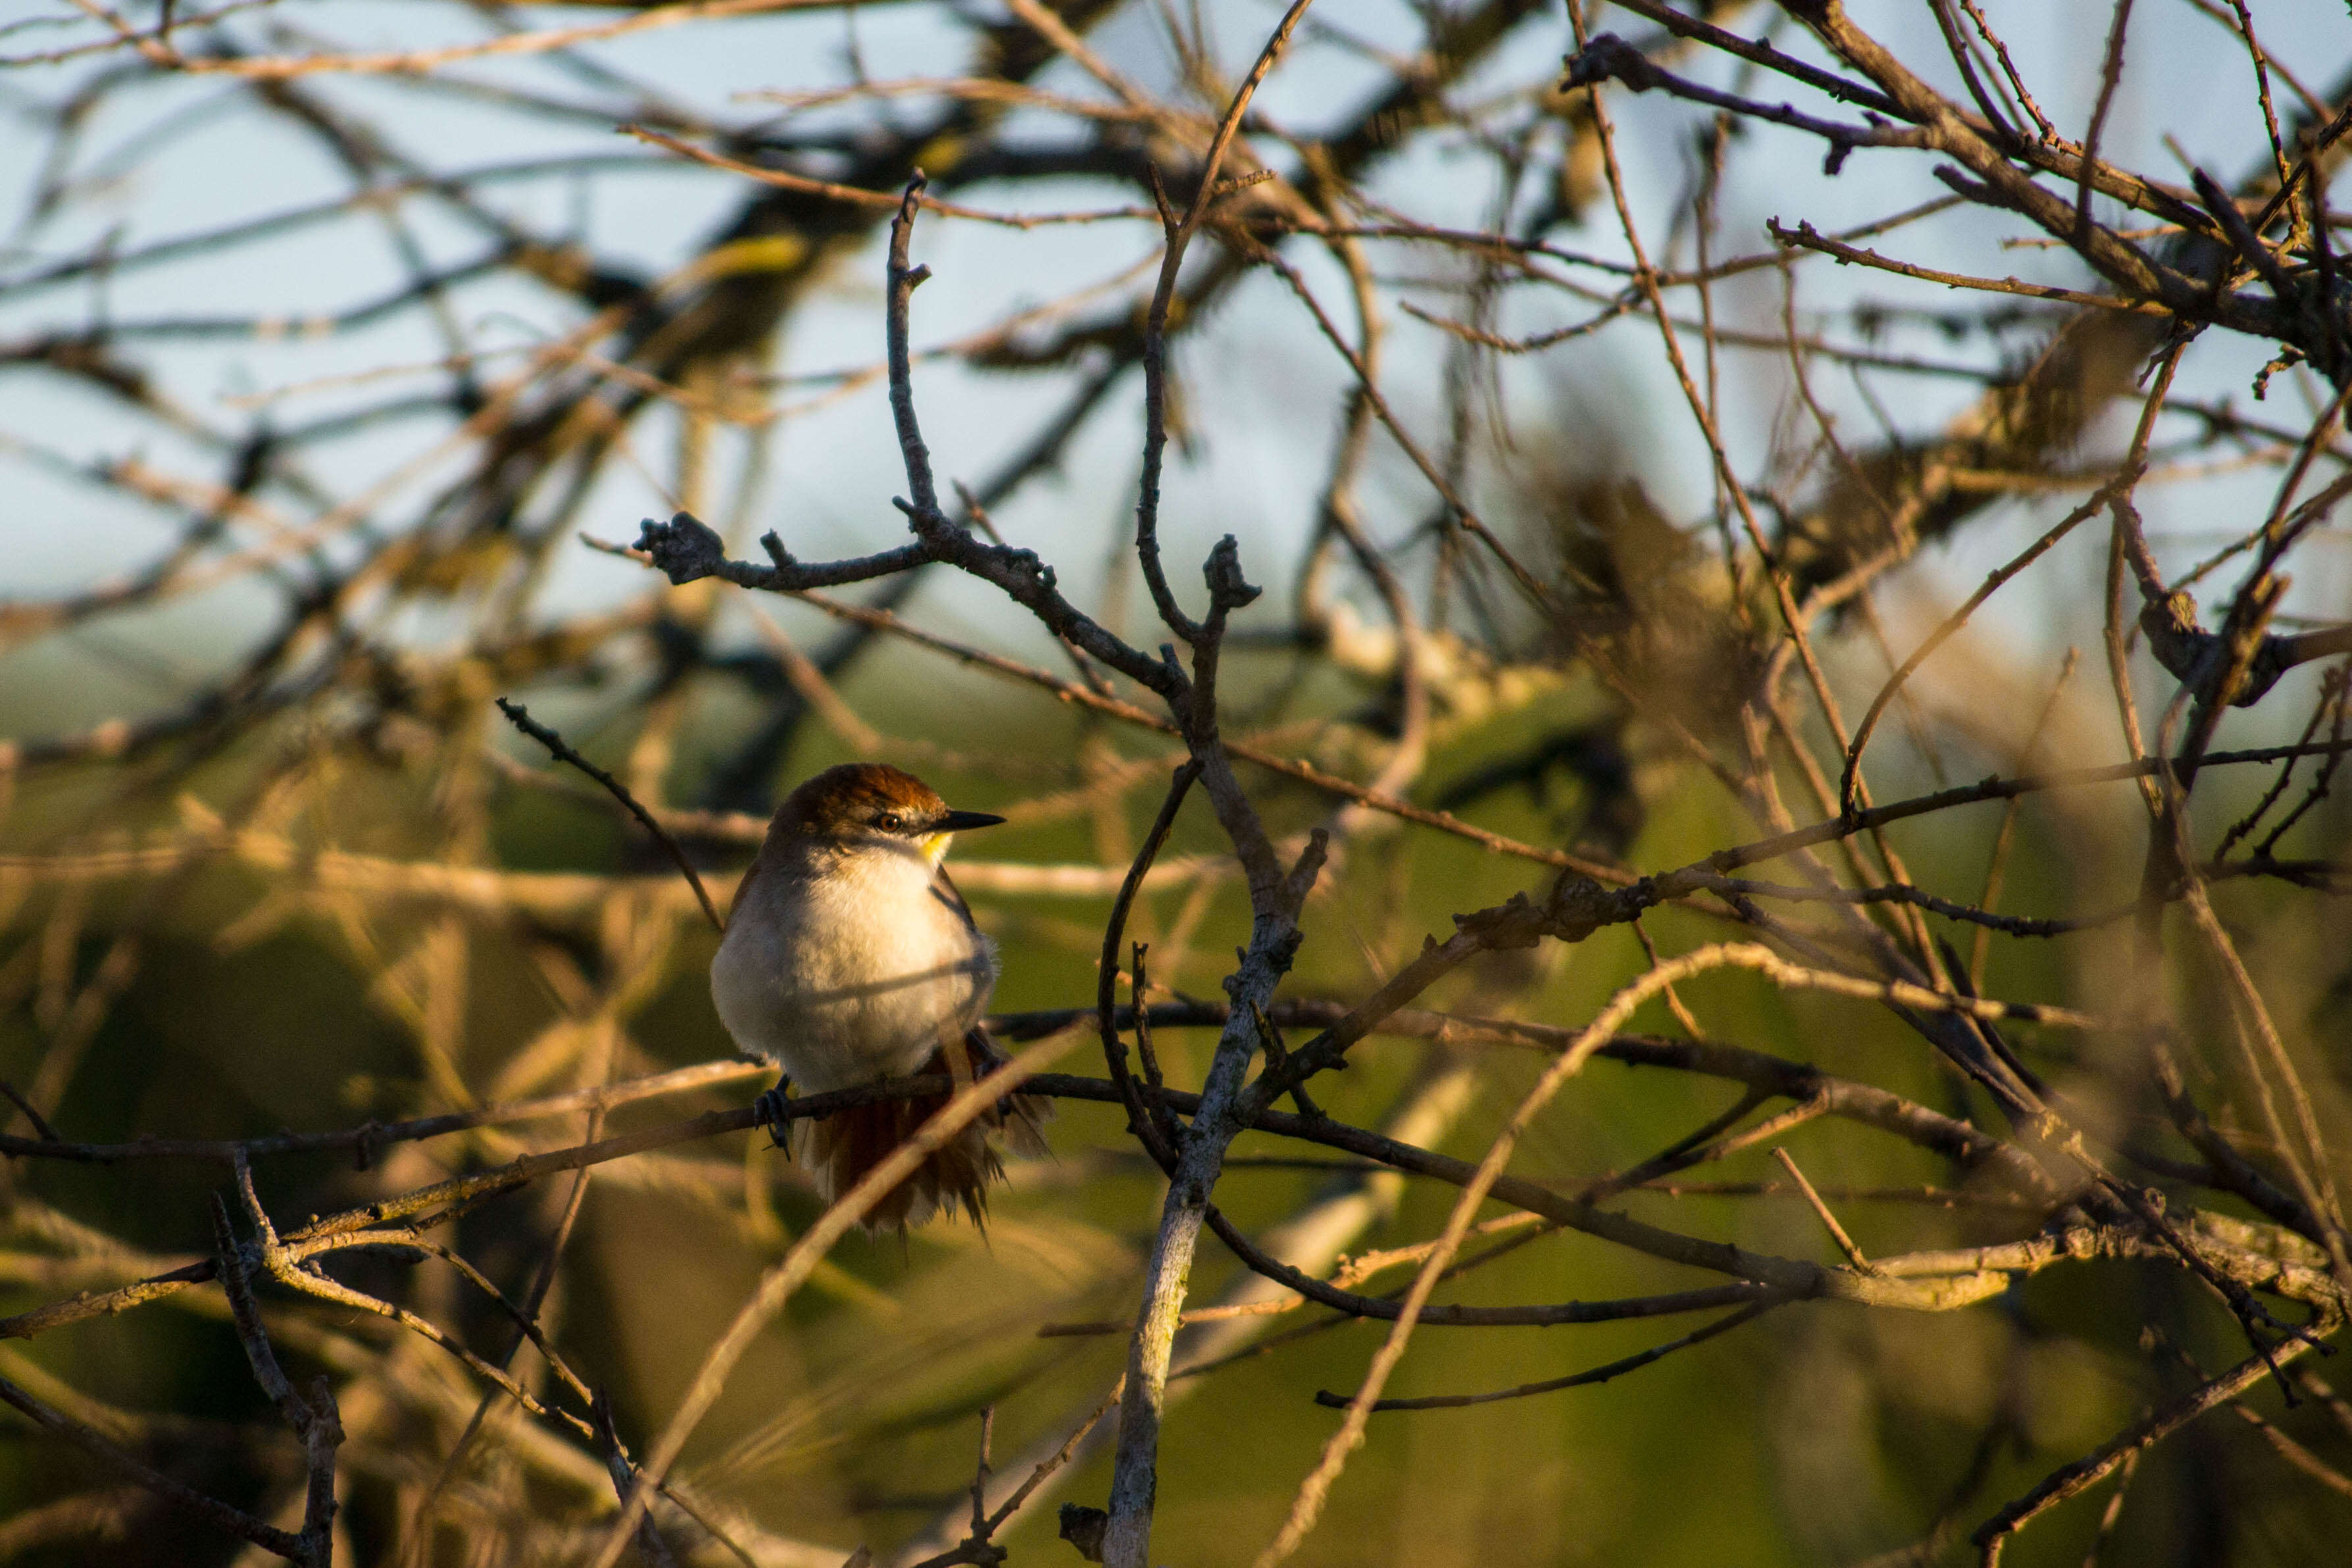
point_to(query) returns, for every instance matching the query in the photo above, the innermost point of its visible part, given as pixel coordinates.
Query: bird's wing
(743, 888)
(943, 888)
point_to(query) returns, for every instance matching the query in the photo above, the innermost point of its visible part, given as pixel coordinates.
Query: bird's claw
(770, 1108)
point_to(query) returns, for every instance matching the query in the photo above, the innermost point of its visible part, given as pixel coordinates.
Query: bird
(849, 957)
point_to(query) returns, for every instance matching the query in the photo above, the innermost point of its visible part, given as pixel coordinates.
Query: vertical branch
(314, 1418)
(1106, 975)
(900, 285)
(1275, 939)
(1274, 898)
(2111, 76)
(650, 1544)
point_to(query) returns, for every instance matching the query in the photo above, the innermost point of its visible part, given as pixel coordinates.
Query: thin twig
(1822, 1212)
(519, 716)
(1601, 1374)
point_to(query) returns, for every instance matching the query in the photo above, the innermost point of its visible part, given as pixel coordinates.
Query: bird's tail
(841, 1148)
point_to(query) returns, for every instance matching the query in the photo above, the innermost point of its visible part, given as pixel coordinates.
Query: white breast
(852, 971)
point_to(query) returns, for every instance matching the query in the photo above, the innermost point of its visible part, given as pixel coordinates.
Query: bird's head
(868, 806)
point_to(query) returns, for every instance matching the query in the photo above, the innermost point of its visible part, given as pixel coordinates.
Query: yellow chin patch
(935, 847)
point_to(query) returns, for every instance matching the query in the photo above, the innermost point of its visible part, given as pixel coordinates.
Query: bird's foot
(771, 1108)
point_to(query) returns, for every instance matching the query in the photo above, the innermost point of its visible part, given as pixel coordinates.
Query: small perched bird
(850, 958)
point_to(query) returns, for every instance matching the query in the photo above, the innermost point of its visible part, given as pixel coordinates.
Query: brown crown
(844, 801)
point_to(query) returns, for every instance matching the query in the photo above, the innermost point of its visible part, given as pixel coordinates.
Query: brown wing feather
(742, 887)
(943, 888)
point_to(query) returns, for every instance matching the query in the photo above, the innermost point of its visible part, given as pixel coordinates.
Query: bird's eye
(891, 821)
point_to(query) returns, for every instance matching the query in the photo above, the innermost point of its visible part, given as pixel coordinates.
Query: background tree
(1626, 718)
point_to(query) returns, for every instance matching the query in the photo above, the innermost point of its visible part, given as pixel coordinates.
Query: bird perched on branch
(850, 958)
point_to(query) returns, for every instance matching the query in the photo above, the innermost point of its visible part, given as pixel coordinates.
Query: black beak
(964, 822)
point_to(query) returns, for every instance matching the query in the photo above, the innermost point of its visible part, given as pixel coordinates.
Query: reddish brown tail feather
(841, 1148)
